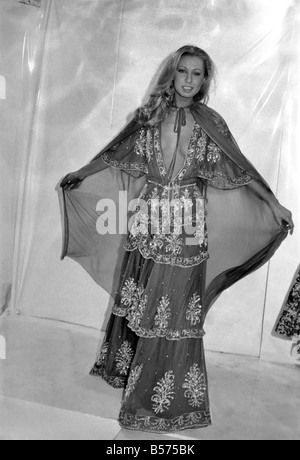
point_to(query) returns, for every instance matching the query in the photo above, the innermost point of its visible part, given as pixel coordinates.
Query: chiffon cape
(242, 231)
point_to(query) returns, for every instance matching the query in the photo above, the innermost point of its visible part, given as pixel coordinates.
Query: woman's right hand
(72, 180)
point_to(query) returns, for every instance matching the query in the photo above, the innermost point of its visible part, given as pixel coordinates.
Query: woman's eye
(181, 70)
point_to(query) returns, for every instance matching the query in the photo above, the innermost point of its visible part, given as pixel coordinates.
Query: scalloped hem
(155, 258)
(134, 169)
(222, 182)
(158, 333)
(193, 420)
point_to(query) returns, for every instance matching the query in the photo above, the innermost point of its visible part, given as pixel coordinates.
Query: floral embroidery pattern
(173, 220)
(136, 312)
(132, 296)
(157, 242)
(154, 195)
(132, 381)
(174, 244)
(169, 334)
(289, 322)
(140, 143)
(195, 386)
(137, 301)
(124, 357)
(214, 153)
(186, 198)
(224, 182)
(135, 169)
(140, 223)
(186, 202)
(194, 310)
(148, 253)
(144, 145)
(128, 292)
(99, 369)
(162, 425)
(201, 232)
(163, 314)
(164, 393)
(200, 146)
(102, 355)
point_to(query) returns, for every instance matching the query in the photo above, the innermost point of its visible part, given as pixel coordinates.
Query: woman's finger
(288, 222)
(67, 185)
(288, 225)
(73, 184)
(64, 181)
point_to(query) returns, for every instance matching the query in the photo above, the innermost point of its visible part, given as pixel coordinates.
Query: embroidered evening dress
(168, 274)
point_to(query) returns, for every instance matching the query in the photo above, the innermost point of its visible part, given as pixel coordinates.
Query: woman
(204, 218)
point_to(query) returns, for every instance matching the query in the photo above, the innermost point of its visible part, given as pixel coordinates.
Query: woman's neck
(183, 102)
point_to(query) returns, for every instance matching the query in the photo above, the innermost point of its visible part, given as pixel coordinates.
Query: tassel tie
(179, 122)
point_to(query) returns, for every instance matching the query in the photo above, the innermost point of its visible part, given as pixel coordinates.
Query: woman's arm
(92, 168)
(73, 179)
(282, 215)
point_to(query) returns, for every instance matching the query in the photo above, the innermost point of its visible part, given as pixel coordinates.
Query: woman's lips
(187, 89)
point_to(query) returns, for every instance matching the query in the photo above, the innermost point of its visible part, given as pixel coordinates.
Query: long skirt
(153, 346)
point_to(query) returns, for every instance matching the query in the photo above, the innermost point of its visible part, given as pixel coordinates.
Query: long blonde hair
(162, 97)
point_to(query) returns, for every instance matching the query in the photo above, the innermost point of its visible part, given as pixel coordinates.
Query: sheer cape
(242, 231)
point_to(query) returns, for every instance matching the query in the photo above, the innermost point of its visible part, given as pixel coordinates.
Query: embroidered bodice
(168, 224)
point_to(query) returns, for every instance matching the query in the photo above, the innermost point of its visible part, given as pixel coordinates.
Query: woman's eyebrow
(179, 67)
(182, 66)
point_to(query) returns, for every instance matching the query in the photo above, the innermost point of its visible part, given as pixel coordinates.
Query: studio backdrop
(72, 74)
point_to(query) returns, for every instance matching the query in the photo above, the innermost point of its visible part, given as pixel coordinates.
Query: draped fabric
(167, 274)
(73, 72)
(249, 233)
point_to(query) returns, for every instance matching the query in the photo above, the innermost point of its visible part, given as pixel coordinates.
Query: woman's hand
(72, 180)
(283, 217)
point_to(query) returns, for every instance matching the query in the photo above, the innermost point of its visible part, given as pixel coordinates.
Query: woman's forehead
(195, 62)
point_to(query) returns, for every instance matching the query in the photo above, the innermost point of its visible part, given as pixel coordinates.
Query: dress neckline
(160, 157)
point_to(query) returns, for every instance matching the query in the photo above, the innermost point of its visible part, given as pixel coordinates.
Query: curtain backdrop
(74, 73)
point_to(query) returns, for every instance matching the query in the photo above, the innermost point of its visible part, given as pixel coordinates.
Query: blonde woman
(204, 219)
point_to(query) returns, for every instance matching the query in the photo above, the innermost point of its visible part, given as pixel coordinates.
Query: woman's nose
(189, 77)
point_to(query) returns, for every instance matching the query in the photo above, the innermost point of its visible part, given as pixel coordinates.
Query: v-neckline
(158, 127)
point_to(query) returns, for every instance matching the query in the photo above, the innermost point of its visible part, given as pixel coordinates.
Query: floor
(46, 392)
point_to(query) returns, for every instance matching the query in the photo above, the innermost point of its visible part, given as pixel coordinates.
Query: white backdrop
(74, 73)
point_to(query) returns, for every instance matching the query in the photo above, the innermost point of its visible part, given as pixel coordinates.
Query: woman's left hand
(283, 217)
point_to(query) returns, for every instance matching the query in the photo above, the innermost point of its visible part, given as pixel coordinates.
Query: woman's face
(189, 76)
